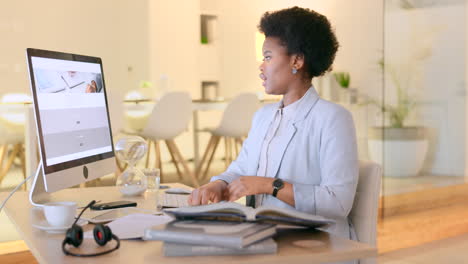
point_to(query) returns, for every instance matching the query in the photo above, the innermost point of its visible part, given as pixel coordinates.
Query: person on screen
(92, 87)
(95, 86)
(301, 152)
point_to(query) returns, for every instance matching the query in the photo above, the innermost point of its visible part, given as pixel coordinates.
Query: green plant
(343, 79)
(146, 84)
(399, 111)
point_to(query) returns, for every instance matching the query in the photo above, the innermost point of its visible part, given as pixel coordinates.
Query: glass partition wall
(419, 132)
(424, 95)
(423, 107)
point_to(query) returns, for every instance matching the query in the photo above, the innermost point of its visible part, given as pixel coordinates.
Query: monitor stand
(38, 194)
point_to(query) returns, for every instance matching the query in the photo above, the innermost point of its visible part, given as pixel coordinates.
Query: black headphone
(102, 235)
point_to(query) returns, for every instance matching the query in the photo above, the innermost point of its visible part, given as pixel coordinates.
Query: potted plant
(146, 89)
(347, 95)
(400, 148)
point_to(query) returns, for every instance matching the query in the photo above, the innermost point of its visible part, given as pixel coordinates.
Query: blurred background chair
(234, 127)
(137, 111)
(364, 213)
(13, 109)
(11, 147)
(170, 117)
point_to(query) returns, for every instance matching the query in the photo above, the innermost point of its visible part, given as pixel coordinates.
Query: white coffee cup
(60, 213)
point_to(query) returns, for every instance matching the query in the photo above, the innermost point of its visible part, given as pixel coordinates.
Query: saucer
(44, 225)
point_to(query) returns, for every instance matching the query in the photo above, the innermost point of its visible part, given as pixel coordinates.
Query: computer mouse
(178, 191)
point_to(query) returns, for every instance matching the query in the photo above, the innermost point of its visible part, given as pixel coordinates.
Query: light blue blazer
(318, 156)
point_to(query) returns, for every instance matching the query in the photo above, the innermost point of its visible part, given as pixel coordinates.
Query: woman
(300, 152)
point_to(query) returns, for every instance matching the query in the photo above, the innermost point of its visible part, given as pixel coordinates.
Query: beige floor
(452, 250)
(394, 185)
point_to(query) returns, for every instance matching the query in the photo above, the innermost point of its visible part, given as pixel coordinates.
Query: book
(211, 233)
(266, 246)
(230, 211)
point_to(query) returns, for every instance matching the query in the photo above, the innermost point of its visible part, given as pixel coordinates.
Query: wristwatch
(278, 184)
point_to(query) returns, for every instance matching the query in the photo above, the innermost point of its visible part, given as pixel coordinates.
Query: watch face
(278, 183)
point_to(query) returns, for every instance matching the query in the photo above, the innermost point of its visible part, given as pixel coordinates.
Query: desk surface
(293, 246)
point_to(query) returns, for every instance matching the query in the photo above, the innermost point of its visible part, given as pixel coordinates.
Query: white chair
(364, 213)
(12, 123)
(170, 117)
(234, 127)
(11, 146)
(136, 113)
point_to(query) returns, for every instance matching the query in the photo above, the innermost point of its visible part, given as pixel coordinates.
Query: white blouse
(283, 118)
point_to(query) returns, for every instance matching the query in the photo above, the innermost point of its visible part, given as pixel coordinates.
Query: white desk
(293, 246)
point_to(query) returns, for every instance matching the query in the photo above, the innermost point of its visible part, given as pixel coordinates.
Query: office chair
(364, 213)
(234, 126)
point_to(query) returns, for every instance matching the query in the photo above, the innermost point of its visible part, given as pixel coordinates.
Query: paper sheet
(105, 216)
(133, 225)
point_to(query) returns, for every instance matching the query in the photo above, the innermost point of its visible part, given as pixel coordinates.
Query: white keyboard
(173, 200)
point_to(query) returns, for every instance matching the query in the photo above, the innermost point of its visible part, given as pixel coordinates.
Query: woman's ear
(297, 61)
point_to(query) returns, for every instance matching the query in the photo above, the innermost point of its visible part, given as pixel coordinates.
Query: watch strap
(275, 191)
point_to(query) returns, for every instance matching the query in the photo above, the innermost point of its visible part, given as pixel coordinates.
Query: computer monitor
(72, 120)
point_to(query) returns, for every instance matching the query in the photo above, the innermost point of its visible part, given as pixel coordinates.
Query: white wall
(111, 29)
(173, 43)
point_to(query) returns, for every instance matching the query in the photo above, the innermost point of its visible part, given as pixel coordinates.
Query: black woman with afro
(301, 152)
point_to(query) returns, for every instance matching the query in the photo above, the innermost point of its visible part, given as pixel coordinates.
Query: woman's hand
(249, 185)
(91, 88)
(210, 192)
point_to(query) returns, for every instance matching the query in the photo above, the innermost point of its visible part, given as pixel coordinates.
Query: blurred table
(137, 101)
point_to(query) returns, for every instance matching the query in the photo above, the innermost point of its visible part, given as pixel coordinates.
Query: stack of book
(201, 237)
(226, 229)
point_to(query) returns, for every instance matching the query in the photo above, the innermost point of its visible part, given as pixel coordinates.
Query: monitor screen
(71, 109)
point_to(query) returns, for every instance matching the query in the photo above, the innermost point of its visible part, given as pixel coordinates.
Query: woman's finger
(205, 197)
(189, 199)
(196, 197)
